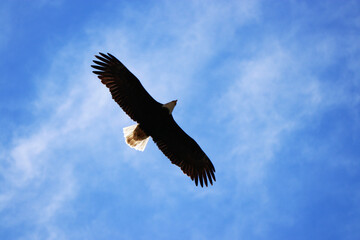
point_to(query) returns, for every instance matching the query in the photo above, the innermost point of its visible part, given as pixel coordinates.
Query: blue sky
(269, 89)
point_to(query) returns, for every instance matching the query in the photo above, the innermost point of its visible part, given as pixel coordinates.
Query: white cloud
(259, 107)
(274, 93)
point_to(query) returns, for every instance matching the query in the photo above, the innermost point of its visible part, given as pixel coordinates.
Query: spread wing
(183, 151)
(124, 87)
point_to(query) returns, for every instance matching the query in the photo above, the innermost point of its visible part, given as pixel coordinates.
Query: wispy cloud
(260, 104)
(273, 95)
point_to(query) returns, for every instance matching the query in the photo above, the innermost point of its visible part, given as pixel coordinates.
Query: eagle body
(154, 120)
(137, 135)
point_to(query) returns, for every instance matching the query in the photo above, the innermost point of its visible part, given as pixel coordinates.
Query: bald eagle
(153, 120)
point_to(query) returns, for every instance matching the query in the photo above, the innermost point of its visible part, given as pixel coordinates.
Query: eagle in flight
(153, 120)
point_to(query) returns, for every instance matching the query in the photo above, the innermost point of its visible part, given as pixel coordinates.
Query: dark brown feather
(184, 152)
(125, 88)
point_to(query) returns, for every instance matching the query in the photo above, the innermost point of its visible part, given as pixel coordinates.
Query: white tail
(135, 137)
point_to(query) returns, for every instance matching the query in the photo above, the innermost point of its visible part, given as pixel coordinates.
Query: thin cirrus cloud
(261, 103)
(258, 90)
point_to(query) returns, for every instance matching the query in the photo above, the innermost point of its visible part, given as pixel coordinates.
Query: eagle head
(170, 106)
